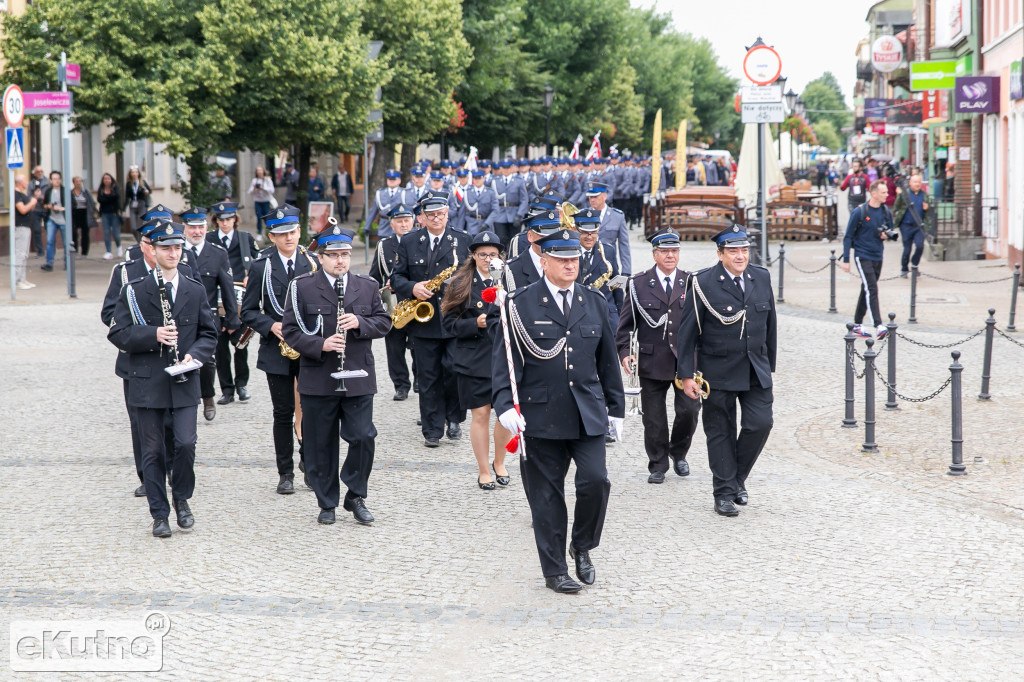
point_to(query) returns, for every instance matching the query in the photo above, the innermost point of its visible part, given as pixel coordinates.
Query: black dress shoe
(286, 485)
(681, 467)
(502, 480)
(741, 496)
(419, 422)
(209, 409)
(432, 442)
(140, 491)
(401, 394)
(161, 529)
(243, 394)
(454, 431)
(562, 584)
(584, 566)
(359, 510)
(609, 438)
(184, 514)
(656, 477)
(326, 516)
(726, 508)
(226, 398)
(485, 486)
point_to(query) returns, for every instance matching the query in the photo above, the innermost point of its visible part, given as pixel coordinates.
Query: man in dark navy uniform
(654, 305)
(569, 390)
(160, 320)
(159, 211)
(728, 333)
(329, 343)
(397, 341)
(525, 268)
(597, 259)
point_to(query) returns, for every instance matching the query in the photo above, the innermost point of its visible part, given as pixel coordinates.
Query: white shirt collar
(331, 280)
(221, 235)
(535, 257)
(554, 292)
(662, 275)
(284, 261)
(198, 247)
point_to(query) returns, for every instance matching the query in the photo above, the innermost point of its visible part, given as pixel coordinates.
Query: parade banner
(656, 154)
(681, 155)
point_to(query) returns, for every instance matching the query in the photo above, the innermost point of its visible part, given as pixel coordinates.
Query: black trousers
(913, 236)
(224, 354)
(545, 468)
(282, 397)
(80, 230)
(207, 373)
(323, 417)
(396, 343)
(439, 392)
(505, 233)
(659, 443)
(154, 467)
(870, 271)
(343, 208)
(137, 439)
(730, 457)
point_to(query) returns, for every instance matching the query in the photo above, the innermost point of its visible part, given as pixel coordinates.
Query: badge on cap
(280, 214)
(551, 216)
(735, 228)
(220, 207)
(337, 230)
(169, 230)
(487, 238)
(565, 234)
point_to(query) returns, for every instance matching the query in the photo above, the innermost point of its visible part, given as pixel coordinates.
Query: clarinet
(341, 311)
(165, 307)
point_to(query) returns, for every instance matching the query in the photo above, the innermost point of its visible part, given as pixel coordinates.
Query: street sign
(14, 106)
(376, 135)
(767, 112)
(933, 75)
(15, 148)
(47, 103)
(762, 65)
(761, 94)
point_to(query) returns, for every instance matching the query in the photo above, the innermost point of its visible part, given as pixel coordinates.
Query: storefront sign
(935, 75)
(952, 21)
(1017, 79)
(904, 112)
(965, 65)
(886, 54)
(875, 108)
(976, 95)
(935, 107)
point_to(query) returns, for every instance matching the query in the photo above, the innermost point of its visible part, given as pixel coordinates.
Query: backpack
(858, 188)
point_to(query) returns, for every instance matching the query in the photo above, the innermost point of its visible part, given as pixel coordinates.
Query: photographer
(870, 225)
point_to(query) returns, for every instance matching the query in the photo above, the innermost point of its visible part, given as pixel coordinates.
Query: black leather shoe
(609, 438)
(184, 514)
(485, 486)
(419, 422)
(562, 584)
(432, 442)
(681, 467)
(502, 480)
(359, 510)
(243, 394)
(454, 431)
(401, 394)
(726, 508)
(286, 485)
(209, 409)
(226, 398)
(584, 566)
(326, 516)
(161, 529)
(656, 477)
(741, 496)
(140, 491)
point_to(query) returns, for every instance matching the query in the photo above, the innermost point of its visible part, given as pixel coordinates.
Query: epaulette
(516, 293)
(262, 255)
(138, 280)
(757, 265)
(219, 246)
(615, 209)
(303, 276)
(361, 276)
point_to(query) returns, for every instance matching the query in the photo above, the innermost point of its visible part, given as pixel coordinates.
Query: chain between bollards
(913, 295)
(890, 335)
(957, 467)
(869, 444)
(782, 271)
(986, 369)
(849, 421)
(832, 282)
(1013, 298)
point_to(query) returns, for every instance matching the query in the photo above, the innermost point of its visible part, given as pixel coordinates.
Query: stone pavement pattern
(844, 565)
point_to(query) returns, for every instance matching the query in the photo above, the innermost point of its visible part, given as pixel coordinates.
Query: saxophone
(286, 350)
(414, 309)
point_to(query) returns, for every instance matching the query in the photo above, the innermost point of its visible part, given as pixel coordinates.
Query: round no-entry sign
(762, 65)
(14, 106)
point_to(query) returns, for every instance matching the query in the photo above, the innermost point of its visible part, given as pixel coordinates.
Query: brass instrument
(632, 387)
(703, 387)
(414, 309)
(288, 351)
(568, 211)
(165, 308)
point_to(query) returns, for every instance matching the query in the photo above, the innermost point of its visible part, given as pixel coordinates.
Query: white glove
(616, 423)
(512, 421)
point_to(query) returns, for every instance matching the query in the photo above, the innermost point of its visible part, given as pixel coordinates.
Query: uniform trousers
(659, 443)
(323, 417)
(137, 440)
(505, 233)
(207, 373)
(730, 457)
(282, 397)
(224, 354)
(396, 343)
(154, 467)
(439, 391)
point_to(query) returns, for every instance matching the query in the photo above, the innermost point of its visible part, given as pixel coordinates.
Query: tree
(823, 94)
(827, 135)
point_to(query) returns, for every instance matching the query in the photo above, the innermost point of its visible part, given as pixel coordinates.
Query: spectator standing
(341, 185)
(724, 174)
(872, 170)
(262, 190)
(822, 169)
(865, 234)
(38, 215)
(55, 218)
(25, 206)
(315, 189)
(291, 183)
(857, 184)
(222, 184)
(83, 216)
(136, 199)
(108, 196)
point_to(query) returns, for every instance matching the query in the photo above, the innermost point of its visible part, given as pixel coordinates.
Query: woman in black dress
(464, 315)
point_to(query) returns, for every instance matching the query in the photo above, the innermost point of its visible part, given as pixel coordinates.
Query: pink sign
(48, 103)
(73, 75)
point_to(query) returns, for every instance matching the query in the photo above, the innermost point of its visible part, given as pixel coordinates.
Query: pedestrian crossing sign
(15, 148)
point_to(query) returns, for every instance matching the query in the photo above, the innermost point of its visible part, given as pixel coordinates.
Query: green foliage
(824, 94)
(827, 135)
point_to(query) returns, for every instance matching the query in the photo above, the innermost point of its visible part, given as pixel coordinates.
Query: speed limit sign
(14, 106)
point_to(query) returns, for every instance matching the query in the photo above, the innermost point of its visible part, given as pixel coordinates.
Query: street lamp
(549, 97)
(800, 112)
(781, 82)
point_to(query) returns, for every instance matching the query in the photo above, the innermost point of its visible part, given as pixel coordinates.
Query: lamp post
(800, 112)
(790, 106)
(549, 97)
(781, 82)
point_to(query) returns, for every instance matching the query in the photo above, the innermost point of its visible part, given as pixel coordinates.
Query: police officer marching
(479, 206)
(597, 259)
(331, 318)
(384, 201)
(728, 333)
(646, 341)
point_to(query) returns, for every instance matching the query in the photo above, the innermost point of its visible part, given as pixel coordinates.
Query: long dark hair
(456, 294)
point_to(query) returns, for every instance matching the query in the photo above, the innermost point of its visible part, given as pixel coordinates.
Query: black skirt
(474, 392)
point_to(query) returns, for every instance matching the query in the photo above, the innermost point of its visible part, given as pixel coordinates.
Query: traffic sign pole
(14, 113)
(13, 211)
(65, 131)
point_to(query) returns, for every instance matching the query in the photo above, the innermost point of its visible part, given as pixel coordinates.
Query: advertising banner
(976, 95)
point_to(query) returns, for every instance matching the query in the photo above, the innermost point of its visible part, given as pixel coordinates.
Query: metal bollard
(869, 399)
(1013, 298)
(986, 369)
(782, 271)
(913, 295)
(832, 282)
(957, 468)
(849, 422)
(890, 335)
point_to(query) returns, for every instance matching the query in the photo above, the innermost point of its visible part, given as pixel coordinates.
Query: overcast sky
(811, 36)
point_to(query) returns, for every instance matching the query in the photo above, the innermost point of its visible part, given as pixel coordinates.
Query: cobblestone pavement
(844, 565)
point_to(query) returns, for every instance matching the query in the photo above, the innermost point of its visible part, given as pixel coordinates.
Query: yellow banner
(656, 154)
(681, 156)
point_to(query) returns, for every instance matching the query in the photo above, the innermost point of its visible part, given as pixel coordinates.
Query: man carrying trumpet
(646, 341)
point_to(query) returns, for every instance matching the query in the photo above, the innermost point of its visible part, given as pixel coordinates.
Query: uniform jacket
(550, 180)
(581, 384)
(413, 195)
(135, 333)
(457, 218)
(518, 245)
(479, 210)
(383, 203)
(657, 358)
(214, 271)
(383, 263)
(726, 353)
(135, 253)
(615, 231)
(603, 261)
(264, 300)
(520, 271)
(513, 200)
(242, 251)
(472, 343)
(314, 299)
(416, 264)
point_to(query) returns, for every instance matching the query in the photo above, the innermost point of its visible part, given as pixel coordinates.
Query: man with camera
(870, 225)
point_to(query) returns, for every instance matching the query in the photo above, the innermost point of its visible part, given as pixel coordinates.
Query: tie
(564, 293)
(291, 269)
(668, 287)
(224, 241)
(170, 292)
(587, 258)
(433, 244)
(195, 254)
(739, 282)
(487, 282)
(391, 192)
